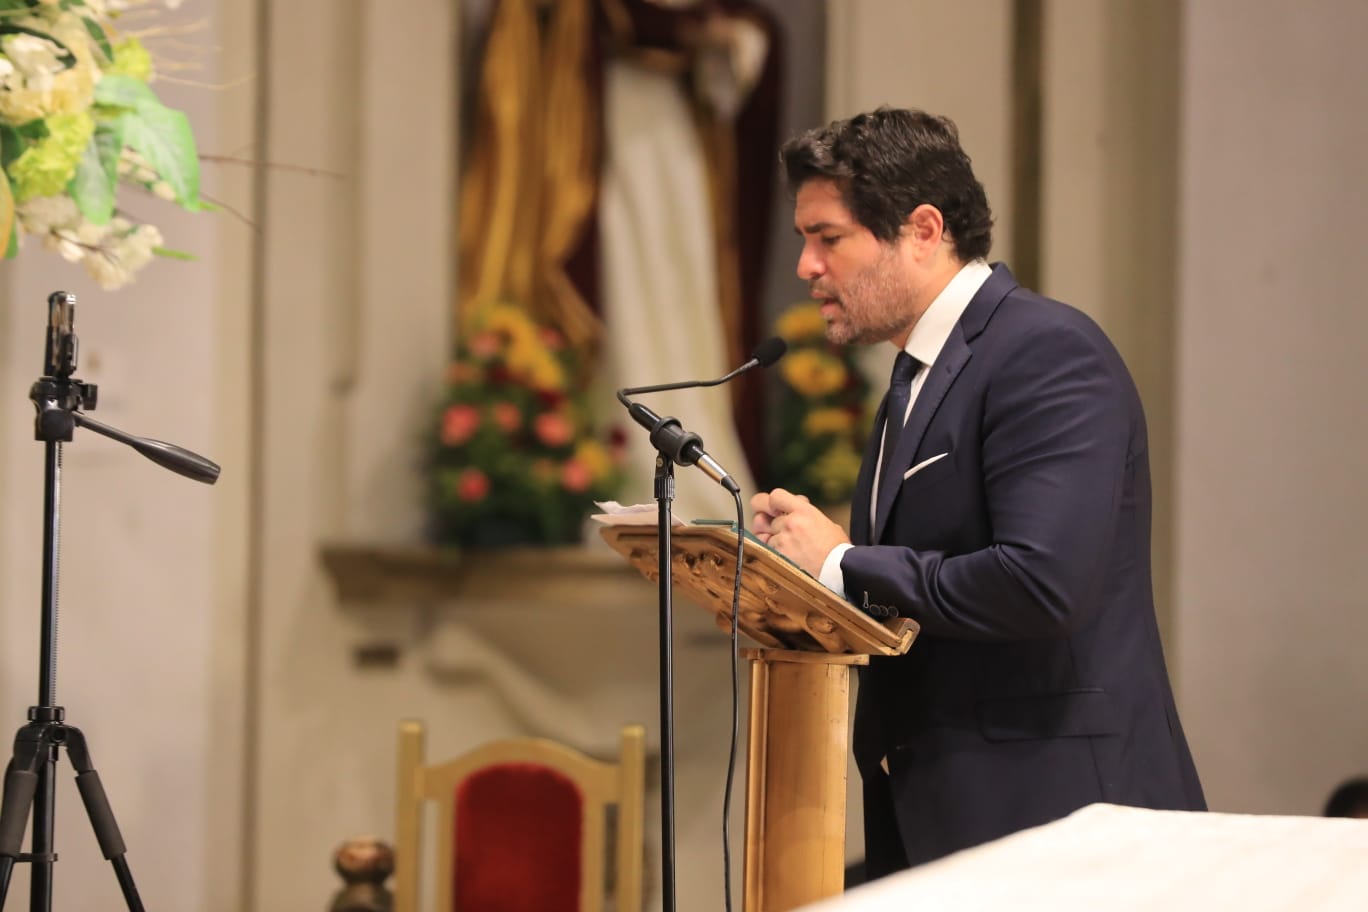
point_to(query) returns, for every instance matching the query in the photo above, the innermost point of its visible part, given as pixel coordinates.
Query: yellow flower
(802, 323)
(836, 471)
(813, 373)
(512, 323)
(595, 455)
(827, 421)
(537, 368)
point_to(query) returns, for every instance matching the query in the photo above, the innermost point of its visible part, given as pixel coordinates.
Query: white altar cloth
(1106, 857)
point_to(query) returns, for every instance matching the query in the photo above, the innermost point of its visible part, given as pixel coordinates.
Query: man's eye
(830, 240)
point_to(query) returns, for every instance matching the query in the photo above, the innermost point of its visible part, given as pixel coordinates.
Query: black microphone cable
(735, 701)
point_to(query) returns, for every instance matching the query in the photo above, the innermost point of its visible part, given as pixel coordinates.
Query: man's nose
(810, 266)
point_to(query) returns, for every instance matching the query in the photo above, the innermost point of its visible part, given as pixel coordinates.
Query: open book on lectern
(781, 606)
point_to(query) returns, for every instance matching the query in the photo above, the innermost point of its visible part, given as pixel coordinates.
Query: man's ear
(924, 227)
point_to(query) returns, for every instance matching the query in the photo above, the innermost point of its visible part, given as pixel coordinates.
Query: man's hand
(791, 525)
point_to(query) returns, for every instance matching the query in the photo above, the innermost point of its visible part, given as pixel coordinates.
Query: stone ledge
(421, 573)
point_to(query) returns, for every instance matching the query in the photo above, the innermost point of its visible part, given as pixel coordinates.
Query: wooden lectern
(800, 700)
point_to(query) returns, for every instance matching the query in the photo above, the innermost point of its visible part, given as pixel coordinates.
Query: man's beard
(874, 307)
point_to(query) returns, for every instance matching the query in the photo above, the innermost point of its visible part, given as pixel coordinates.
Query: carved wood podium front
(800, 700)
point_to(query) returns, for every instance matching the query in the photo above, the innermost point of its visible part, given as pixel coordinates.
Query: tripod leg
(21, 784)
(101, 817)
(20, 787)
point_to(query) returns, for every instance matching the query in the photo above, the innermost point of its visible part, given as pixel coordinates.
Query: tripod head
(57, 394)
(60, 397)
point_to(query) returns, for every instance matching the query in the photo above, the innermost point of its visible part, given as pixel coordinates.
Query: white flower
(111, 253)
(35, 59)
(106, 270)
(121, 255)
(42, 214)
(40, 82)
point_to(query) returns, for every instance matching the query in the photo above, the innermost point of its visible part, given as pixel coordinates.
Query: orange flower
(507, 417)
(459, 422)
(553, 429)
(485, 345)
(472, 486)
(576, 476)
(462, 372)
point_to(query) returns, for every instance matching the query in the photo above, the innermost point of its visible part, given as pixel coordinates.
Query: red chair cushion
(518, 831)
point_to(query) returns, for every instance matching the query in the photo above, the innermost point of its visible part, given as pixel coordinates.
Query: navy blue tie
(899, 394)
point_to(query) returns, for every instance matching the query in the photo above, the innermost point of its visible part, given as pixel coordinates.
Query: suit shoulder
(1025, 318)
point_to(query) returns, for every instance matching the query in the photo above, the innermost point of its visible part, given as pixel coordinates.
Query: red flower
(553, 429)
(459, 423)
(576, 477)
(507, 417)
(472, 486)
(551, 338)
(484, 345)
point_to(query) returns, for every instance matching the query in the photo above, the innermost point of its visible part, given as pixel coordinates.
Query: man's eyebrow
(814, 228)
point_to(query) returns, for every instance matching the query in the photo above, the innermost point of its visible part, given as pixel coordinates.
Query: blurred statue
(617, 183)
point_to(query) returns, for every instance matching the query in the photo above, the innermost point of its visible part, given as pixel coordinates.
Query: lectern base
(796, 777)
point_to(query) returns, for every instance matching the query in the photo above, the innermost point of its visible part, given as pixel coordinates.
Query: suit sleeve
(1056, 436)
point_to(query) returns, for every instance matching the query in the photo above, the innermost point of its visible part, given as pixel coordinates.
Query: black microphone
(685, 447)
(765, 354)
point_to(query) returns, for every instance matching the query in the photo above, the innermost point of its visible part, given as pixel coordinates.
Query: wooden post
(796, 777)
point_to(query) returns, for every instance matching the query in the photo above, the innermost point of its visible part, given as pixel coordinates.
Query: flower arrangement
(821, 407)
(78, 120)
(516, 460)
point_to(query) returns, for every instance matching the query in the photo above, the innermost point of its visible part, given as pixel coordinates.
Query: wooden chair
(522, 825)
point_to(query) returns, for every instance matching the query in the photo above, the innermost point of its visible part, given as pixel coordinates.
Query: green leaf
(34, 130)
(12, 249)
(163, 137)
(7, 225)
(12, 144)
(126, 92)
(97, 176)
(173, 254)
(97, 34)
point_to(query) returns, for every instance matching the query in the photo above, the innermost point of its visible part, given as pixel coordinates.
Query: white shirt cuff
(831, 575)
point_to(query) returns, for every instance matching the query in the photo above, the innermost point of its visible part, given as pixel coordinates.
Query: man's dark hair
(887, 163)
(1349, 800)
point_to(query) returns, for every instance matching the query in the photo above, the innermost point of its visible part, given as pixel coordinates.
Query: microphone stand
(664, 495)
(675, 445)
(30, 777)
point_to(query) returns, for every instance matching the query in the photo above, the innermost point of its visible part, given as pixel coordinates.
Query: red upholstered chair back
(521, 826)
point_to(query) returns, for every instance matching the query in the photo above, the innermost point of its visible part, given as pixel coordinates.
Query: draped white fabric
(659, 283)
(1123, 858)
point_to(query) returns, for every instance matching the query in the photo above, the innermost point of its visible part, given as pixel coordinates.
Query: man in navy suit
(1003, 504)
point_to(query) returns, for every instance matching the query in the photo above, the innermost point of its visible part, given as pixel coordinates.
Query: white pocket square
(923, 464)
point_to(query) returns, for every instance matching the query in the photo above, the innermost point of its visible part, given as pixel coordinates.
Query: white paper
(615, 514)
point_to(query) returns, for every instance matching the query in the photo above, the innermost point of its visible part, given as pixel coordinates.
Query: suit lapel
(939, 379)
